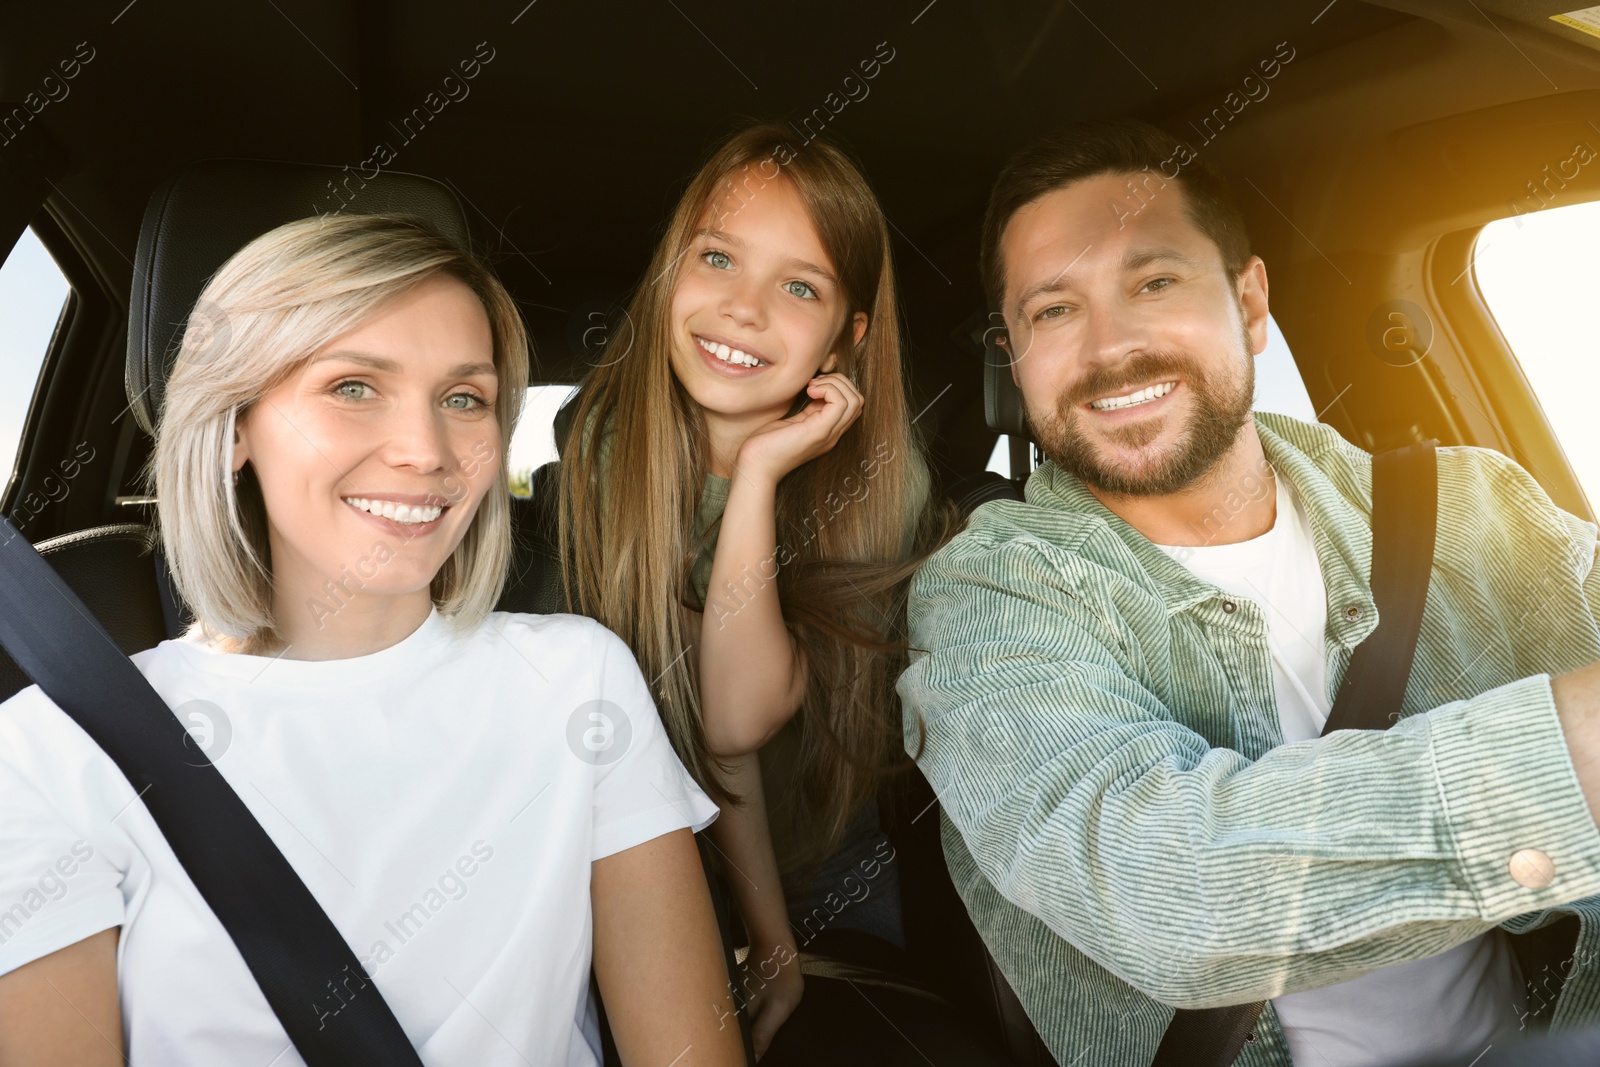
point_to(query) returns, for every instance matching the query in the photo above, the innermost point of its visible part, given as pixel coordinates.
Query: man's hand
(1577, 697)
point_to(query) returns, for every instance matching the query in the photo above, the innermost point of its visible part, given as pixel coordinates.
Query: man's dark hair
(1092, 147)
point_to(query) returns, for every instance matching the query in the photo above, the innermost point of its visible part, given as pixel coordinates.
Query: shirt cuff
(636, 829)
(45, 934)
(1509, 789)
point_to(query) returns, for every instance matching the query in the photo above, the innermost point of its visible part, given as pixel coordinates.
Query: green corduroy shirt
(1121, 815)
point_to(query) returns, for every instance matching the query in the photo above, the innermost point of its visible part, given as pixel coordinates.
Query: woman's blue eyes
(351, 389)
(720, 260)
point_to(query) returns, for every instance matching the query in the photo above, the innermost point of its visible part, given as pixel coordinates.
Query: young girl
(740, 491)
(333, 505)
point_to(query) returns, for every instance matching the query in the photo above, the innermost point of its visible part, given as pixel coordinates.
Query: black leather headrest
(1002, 400)
(206, 212)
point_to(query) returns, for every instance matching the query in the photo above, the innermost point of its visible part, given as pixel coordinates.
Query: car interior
(1386, 136)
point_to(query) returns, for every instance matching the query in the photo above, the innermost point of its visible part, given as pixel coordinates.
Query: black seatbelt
(332, 1012)
(1405, 505)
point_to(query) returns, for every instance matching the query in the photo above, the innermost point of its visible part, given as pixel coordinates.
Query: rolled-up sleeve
(1195, 874)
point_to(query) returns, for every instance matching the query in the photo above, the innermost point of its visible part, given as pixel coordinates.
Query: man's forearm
(1193, 873)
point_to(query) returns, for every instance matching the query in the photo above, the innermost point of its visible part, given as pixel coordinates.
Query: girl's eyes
(355, 389)
(1155, 285)
(720, 260)
(1055, 311)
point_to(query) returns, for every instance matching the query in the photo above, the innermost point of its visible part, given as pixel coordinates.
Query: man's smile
(1143, 395)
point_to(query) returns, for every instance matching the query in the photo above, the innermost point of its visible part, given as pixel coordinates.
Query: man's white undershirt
(1451, 1004)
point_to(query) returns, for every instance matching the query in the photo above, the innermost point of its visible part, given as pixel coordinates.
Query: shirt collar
(1339, 514)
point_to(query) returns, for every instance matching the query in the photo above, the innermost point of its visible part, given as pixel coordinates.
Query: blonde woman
(333, 504)
(741, 491)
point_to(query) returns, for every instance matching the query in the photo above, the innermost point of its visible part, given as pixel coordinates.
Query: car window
(32, 293)
(534, 443)
(1279, 388)
(1536, 271)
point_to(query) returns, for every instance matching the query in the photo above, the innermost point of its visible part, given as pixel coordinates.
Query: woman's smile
(408, 515)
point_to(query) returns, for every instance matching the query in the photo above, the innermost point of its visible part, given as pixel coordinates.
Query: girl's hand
(784, 444)
(773, 971)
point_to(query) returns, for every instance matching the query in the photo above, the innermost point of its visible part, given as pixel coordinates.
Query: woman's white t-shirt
(442, 799)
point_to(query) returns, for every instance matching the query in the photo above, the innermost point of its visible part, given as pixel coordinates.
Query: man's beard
(1219, 407)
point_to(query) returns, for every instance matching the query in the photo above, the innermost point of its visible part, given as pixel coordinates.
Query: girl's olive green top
(780, 757)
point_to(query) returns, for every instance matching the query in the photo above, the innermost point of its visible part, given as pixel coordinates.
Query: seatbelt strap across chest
(1405, 495)
(312, 979)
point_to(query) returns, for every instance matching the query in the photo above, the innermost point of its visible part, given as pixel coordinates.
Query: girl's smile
(731, 358)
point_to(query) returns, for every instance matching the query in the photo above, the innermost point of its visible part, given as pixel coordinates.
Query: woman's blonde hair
(842, 589)
(276, 302)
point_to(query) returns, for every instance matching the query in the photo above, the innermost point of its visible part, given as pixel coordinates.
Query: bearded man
(1119, 685)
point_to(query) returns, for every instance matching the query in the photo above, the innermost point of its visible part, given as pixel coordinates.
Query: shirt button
(1353, 612)
(1531, 868)
(1229, 606)
(1250, 1038)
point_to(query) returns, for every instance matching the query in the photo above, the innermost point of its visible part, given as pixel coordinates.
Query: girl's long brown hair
(627, 536)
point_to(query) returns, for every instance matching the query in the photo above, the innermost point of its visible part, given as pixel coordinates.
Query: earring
(236, 478)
